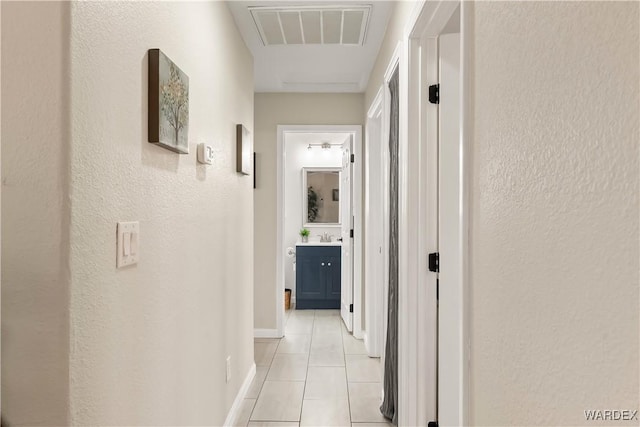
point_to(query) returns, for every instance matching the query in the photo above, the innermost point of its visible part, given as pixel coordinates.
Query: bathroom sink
(319, 243)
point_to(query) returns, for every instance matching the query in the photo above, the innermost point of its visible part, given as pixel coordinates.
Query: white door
(450, 276)
(375, 229)
(346, 290)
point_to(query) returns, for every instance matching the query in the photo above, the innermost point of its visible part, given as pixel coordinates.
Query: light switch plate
(205, 154)
(128, 243)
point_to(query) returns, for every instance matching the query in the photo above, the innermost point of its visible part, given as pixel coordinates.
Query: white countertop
(319, 243)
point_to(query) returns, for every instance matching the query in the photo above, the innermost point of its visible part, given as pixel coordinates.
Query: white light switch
(128, 240)
(134, 243)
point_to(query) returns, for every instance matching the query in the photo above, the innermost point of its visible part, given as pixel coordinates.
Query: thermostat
(205, 154)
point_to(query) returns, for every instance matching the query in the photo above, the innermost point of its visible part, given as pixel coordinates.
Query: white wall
(297, 156)
(83, 342)
(35, 213)
(554, 255)
(149, 343)
(271, 110)
(554, 207)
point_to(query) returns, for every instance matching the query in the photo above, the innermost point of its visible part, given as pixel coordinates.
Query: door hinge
(432, 424)
(434, 262)
(434, 94)
(353, 158)
(437, 289)
(351, 233)
(350, 308)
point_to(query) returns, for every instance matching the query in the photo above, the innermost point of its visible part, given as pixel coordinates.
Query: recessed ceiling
(312, 46)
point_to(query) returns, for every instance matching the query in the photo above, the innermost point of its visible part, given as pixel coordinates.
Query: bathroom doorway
(307, 157)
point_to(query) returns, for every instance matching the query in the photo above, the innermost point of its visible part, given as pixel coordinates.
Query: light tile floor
(317, 375)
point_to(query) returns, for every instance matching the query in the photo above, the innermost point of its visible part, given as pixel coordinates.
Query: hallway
(168, 172)
(318, 374)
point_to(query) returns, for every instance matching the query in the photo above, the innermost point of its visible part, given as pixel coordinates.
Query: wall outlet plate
(205, 154)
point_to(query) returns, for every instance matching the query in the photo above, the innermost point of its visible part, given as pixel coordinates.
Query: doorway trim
(375, 282)
(424, 26)
(356, 130)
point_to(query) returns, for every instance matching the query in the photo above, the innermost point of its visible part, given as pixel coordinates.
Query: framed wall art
(168, 103)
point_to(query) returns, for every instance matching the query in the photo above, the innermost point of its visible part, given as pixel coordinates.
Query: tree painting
(168, 103)
(175, 101)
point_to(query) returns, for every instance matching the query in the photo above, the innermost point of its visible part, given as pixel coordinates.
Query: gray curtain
(389, 406)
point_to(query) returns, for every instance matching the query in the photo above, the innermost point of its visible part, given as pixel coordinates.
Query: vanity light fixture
(323, 145)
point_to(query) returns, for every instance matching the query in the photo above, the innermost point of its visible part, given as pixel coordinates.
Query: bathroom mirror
(321, 196)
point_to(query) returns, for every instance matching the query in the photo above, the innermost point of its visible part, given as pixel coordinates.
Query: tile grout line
(346, 375)
(266, 375)
(304, 389)
(313, 337)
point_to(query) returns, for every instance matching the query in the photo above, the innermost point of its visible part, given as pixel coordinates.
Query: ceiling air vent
(339, 25)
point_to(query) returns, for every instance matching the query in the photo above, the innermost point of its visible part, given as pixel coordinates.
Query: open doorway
(436, 142)
(324, 271)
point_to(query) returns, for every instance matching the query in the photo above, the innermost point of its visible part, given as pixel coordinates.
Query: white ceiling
(312, 67)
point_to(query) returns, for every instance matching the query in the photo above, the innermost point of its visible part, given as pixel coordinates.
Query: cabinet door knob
(322, 264)
(329, 264)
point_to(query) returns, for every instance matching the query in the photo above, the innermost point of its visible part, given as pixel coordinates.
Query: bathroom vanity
(318, 273)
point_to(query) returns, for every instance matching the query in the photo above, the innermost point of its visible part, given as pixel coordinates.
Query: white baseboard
(237, 403)
(266, 333)
(359, 334)
(365, 338)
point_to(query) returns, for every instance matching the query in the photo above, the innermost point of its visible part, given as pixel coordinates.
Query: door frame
(346, 225)
(418, 398)
(356, 130)
(376, 284)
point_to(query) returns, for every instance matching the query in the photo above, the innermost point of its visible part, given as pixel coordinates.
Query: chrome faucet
(325, 237)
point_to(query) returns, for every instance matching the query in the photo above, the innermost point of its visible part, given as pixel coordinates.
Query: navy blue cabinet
(318, 272)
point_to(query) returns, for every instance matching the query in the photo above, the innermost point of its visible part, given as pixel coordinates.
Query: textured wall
(148, 343)
(554, 211)
(271, 110)
(35, 212)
